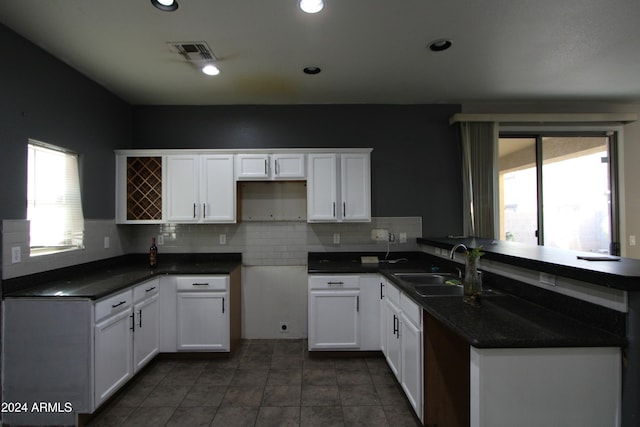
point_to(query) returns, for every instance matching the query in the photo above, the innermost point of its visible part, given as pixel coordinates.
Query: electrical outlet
(223, 239)
(107, 243)
(380, 234)
(632, 240)
(547, 279)
(392, 238)
(16, 255)
(403, 237)
(284, 327)
(336, 238)
(160, 239)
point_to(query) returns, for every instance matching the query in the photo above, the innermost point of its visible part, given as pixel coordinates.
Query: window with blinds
(54, 206)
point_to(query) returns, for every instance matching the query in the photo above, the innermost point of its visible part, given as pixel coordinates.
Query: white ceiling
(370, 51)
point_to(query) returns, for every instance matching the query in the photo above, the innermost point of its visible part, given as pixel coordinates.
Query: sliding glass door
(559, 190)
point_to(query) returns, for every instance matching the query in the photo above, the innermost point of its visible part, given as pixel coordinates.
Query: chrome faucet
(455, 248)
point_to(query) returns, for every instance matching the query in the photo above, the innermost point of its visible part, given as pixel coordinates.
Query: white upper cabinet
(322, 187)
(182, 188)
(200, 188)
(289, 166)
(355, 186)
(339, 187)
(218, 188)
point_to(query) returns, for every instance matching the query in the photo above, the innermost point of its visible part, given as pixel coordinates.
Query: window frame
(46, 249)
(614, 148)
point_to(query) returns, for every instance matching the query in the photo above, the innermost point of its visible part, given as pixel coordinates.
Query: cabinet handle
(335, 283)
(150, 289)
(199, 284)
(222, 305)
(357, 303)
(277, 167)
(266, 165)
(140, 318)
(204, 210)
(344, 209)
(133, 322)
(118, 304)
(395, 325)
(194, 210)
(334, 209)
(381, 294)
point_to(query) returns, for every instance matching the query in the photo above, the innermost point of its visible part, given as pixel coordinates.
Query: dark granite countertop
(622, 273)
(99, 279)
(501, 321)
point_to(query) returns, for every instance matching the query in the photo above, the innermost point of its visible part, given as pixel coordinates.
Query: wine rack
(144, 188)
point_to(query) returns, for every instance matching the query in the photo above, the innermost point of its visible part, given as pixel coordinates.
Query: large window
(54, 207)
(559, 190)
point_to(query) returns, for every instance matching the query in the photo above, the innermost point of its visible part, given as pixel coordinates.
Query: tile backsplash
(262, 243)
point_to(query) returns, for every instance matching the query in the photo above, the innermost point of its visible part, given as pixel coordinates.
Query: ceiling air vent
(192, 51)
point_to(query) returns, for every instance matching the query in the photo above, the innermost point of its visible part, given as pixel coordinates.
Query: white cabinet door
(218, 190)
(288, 166)
(355, 187)
(146, 335)
(113, 367)
(411, 377)
(334, 321)
(370, 313)
(252, 166)
(392, 337)
(182, 188)
(342, 194)
(203, 321)
(322, 195)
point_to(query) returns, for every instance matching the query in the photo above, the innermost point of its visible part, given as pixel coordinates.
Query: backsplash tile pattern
(262, 243)
(16, 233)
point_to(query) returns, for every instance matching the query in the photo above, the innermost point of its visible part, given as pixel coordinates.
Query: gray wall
(415, 161)
(44, 99)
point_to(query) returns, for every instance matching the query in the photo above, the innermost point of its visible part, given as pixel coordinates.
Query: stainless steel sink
(438, 290)
(425, 278)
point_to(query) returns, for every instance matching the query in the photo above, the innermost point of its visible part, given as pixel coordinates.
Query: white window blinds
(54, 206)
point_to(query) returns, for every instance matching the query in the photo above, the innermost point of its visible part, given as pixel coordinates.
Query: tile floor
(266, 383)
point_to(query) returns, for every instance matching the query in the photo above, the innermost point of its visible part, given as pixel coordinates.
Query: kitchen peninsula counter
(611, 271)
(99, 279)
(502, 320)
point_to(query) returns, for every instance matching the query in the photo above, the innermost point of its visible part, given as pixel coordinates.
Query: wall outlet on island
(548, 279)
(336, 238)
(160, 240)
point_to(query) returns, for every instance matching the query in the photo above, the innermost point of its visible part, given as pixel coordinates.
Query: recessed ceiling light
(166, 5)
(311, 6)
(211, 70)
(440, 45)
(311, 70)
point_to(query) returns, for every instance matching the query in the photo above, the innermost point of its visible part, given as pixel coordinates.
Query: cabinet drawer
(145, 290)
(411, 310)
(334, 282)
(202, 283)
(392, 293)
(113, 304)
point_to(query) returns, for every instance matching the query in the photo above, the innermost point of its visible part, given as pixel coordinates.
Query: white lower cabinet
(125, 336)
(402, 342)
(334, 320)
(113, 344)
(411, 378)
(146, 337)
(344, 312)
(203, 313)
(391, 328)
